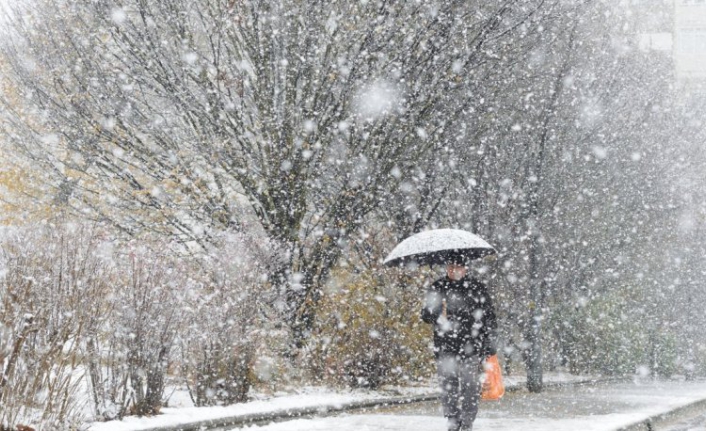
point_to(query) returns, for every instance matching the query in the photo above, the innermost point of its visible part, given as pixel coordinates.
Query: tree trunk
(302, 282)
(533, 355)
(533, 333)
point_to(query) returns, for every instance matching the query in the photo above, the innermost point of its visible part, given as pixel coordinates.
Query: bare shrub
(129, 356)
(87, 318)
(225, 317)
(51, 293)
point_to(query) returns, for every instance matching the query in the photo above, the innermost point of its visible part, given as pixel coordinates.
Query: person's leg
(447, 368)
(470, 387)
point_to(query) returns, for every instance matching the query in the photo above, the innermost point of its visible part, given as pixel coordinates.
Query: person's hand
(444, 324)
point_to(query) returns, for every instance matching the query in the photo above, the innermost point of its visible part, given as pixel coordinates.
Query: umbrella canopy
(439, 247)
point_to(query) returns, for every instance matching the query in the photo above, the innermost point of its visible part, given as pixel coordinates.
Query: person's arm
(433, 305)
(490, 325)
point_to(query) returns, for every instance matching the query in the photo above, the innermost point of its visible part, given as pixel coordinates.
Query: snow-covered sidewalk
(605, 407)
(599, 407)
(317, 399)
(310, 400)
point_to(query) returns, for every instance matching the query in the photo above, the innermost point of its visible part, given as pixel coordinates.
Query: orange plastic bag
(493, 387)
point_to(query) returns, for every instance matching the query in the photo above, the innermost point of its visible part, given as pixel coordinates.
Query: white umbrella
(438, 247)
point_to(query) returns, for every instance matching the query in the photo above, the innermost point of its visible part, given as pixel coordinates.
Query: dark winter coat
(470, 326)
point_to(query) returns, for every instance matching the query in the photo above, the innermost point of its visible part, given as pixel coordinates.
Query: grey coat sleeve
(491, 327)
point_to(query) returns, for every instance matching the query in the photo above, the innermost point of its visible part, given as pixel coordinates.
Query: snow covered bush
(91, 321)
(611, 334)
(52, 288)
(225, 314)
(128, 357)
(369, 332)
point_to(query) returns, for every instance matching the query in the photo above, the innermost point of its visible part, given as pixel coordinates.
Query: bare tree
(563, 143)
(170, 115)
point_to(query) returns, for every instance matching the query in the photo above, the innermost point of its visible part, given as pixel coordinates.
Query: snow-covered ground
(172, 416)
(591, 408)
(181, 409)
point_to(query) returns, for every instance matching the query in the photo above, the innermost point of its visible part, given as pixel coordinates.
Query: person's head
(456, 271)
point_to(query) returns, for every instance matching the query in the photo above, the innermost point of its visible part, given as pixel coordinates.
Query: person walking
(465, 327)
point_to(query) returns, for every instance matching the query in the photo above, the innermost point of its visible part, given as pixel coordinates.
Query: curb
(680, 413)
(254, 418)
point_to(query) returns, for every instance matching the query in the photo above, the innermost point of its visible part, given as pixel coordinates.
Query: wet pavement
(597, 407)
(559, 402)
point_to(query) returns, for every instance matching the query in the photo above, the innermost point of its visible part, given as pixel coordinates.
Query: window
(692, 41)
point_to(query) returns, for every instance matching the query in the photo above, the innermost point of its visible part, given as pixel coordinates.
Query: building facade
(689, 47)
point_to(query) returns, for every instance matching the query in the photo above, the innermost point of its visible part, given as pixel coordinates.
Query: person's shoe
(453, 425)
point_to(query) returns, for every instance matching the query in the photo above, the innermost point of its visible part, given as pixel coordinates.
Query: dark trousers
(460, 380)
